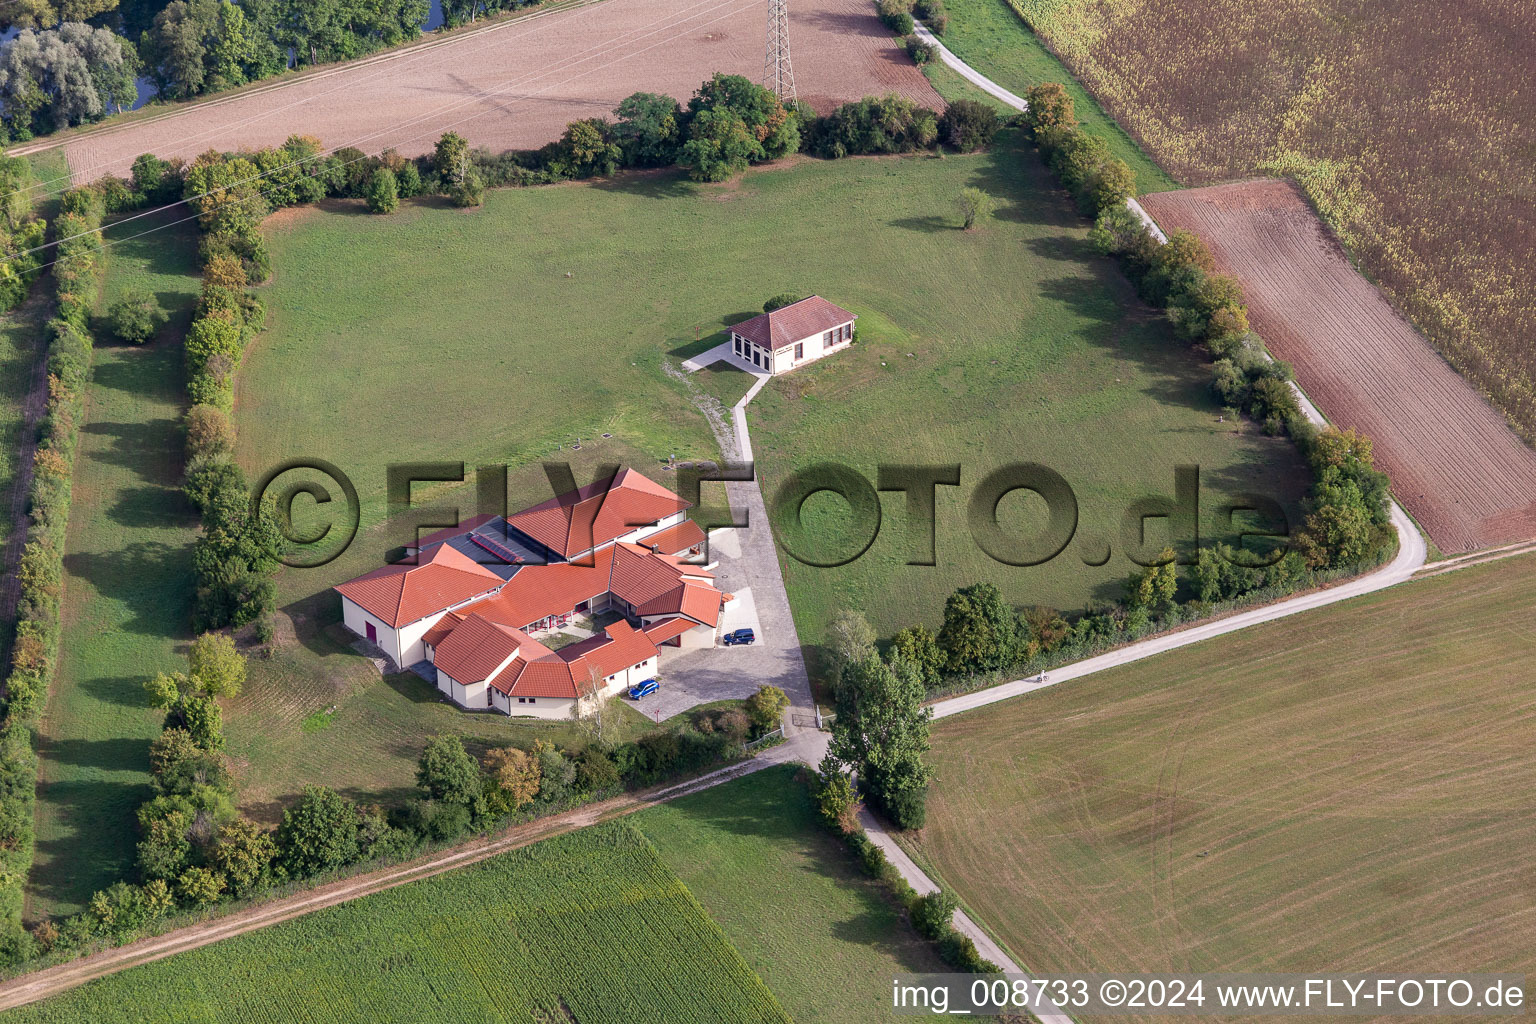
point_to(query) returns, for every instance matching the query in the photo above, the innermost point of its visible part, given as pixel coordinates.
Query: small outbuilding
(793, 335)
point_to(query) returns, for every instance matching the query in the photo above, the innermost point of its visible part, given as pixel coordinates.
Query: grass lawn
(824, 937)
(1012, 343)
(1346, 789)
(724, 382)
(127, 587)
(589, 927)
(991, 37)
(318, 712)
(1030, 347)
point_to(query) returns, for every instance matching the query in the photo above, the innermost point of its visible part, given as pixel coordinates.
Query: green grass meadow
(128, 589)
(591, 927)
(823, 936)
(511, 334)
(991, 37)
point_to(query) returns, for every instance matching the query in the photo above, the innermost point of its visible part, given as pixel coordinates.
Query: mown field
(822, 935)
(1013, 343)
(1026, 346)
(1347, 789)
(1408, 125)
(986, 35)
(445, 335)
(588, 927)
(127, 588)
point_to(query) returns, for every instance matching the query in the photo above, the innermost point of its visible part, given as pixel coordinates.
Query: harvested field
(519, 83)
(1409, 124)
(1346, 789)
(1454, 461)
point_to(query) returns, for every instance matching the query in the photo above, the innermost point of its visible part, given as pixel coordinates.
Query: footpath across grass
(990, 36)
(1348, 787)
(824, 937)
(590, 927)
(127, 586)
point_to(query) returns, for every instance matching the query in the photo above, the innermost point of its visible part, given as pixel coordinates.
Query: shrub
(896, 14)
(780, 301)
(766, 707)
(209, 337)
(408, 181)
(974, 205)
(931, 914)
(209, 432)
(886, 124)
(318, 833)
(907, 808)
(1049, 107)
(383, 191)
(968, 125)
(920, 52)
(136, 317)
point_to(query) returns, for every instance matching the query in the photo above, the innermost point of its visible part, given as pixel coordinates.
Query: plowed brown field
(1454, 461)
(519, 83)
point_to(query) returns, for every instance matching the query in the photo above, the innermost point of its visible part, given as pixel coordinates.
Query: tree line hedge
(36, 648)
(20, 232)
(932, 915)
(196, 850)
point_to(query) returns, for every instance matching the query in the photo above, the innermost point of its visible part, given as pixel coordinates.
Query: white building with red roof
(793, 335)
(471, 600)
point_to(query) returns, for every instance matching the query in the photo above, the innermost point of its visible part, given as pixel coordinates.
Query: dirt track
(29, 988)
(1454, 461)
(518, 83)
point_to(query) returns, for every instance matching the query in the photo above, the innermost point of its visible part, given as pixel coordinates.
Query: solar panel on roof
(501, 551)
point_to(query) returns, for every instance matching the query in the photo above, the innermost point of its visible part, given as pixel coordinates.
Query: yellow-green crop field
(588, 927)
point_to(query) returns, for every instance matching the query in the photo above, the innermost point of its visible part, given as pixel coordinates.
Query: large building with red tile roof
(793, 335)
(472, 601)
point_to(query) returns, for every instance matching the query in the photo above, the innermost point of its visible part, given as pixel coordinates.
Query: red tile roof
(535, 591)
(477, 647)
(675, 539)
(795, 322)
(402, 593)
(440, 630)
(598, 513)
(668, 629)
(618, 647)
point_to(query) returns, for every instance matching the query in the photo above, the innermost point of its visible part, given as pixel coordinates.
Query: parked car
(739, 636)
(643, 689)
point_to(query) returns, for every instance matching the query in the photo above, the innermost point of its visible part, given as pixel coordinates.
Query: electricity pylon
(778, 75)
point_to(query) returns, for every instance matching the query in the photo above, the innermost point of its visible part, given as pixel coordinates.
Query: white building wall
(355, 619)
(553, 708)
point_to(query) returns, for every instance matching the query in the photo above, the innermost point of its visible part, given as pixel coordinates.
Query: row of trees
(932, 915)
(60, 71)
(20, 232)
(36, 646)
(1097, 179)
(195, 848)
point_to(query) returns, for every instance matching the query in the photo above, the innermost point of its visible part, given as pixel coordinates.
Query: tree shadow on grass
(124, 691)
(150, 578)
(94, 844)
(930, 225)
(660, 183)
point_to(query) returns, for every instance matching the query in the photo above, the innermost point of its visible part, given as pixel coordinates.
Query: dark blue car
(643, 689)
(739, 636)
